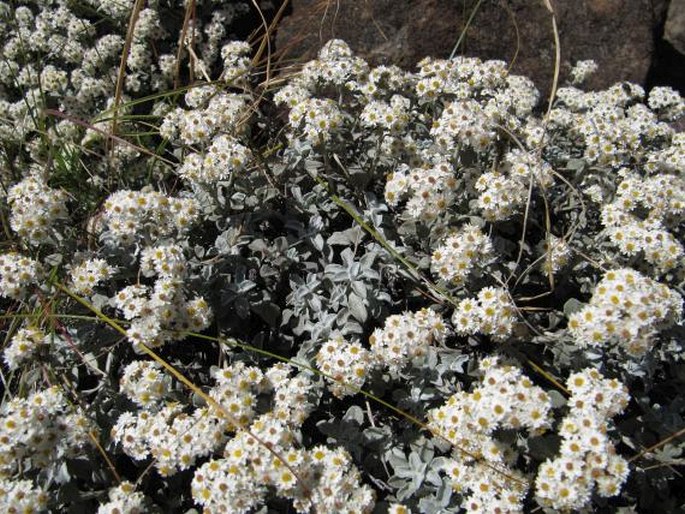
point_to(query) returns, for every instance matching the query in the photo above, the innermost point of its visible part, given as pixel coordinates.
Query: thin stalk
(466, 28)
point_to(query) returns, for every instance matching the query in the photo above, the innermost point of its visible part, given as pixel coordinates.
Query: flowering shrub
(343, 288)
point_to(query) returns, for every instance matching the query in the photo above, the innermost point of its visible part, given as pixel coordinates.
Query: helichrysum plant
(235, 287)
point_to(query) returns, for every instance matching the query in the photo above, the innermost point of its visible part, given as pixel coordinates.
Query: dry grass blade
(85, 124)
(462, 36)
(265, 43)
(658, 445)
(187, 18)
(505, 5)
(557, 61)
(119, 88)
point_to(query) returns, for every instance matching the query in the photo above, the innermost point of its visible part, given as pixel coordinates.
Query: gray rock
(674, 30)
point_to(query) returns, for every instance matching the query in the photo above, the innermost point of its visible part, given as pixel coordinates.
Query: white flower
(582, 70)
(460, 253)
(129, 214)
(17, 273)
(492, 313)
(587, 459)
(347, 363)
(123, 499)
(316, 119)
(627, 309)
(405, 336)
(21, 496)
(90, 274)
(145, 383)
(504, 399)
(23, 345)
(35, 208)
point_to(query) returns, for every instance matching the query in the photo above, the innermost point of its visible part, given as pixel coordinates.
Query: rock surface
(617, 34)
(674, 31)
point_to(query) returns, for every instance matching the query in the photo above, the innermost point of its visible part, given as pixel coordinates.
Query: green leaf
(572, 306)
(269, 312)
(357, 307)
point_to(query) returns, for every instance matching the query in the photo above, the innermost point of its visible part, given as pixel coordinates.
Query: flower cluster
(463, 123)
(212, 112)
(382, 82)
(161, 314)
(164, 261)
(264, 457)
(588, 460)
(627, 310)
(528, 166)
(478, 469)
(145, 383)
(613, 127)
(80, 61)
(21, 496)
(503, 192)
(58, 35)
(176, 438)
(405, 336)
(316, 119)
(123, 499)
(455, 259)
(485, 488)
(172, 437)
(236, 60)
(291, 95)
(491, 313)
(347, 364)
(236, 391)
(131, 214)
(390, 117)
(556, 253)
(89, 274)
(582, 70)
(229, 485)
(39, 430)
(667, 102)
(35, 208)
(24, 344)
(333, 470)
(214, 123)
(461, 77)
(669, 158)
(336, 66)
(500, 195)
(17, 273)
(293, 402)
(662, 198)
(430, 189)
(480, 96)
(512, 105)
(224, 156)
